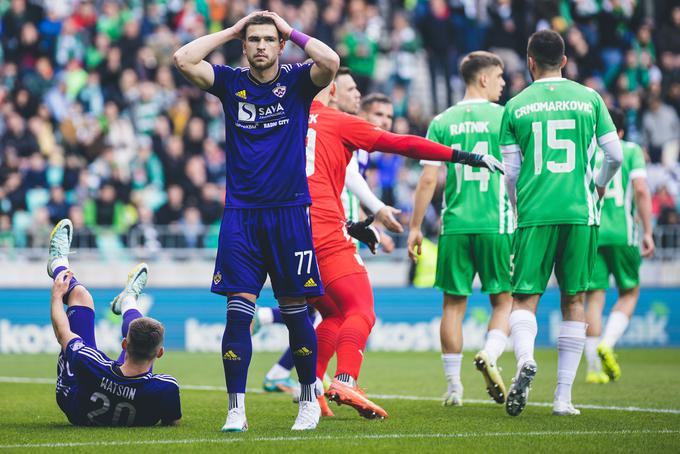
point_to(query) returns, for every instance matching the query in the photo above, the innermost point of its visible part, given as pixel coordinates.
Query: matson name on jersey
(468, 127)
(551, 106)
(118, 390)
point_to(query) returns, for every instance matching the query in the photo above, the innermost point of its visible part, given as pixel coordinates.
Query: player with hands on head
(93, 390)
(265, 227)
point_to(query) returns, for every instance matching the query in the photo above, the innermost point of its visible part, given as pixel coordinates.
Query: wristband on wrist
(299, 38)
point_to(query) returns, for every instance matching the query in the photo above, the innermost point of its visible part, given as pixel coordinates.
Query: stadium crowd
(97, 125)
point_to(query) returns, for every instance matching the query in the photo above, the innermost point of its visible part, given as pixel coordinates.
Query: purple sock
(302, 341)
(237, 346)
(128, 317)
(71, 285)
(81, 322)
(286, 360)
(276, 312)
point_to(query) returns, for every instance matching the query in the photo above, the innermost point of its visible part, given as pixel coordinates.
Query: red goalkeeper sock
(354, 297)
(326, 332)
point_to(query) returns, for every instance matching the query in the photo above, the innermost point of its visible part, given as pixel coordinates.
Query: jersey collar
(255, 81)
(472, 101)
(550, 79)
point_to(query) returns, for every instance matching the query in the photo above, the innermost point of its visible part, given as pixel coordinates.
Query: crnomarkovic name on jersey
(553, 106)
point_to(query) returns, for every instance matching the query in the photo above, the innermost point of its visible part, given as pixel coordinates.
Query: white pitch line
(672, 411)
(397, 436)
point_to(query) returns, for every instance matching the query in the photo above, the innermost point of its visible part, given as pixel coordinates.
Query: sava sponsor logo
(251, 113)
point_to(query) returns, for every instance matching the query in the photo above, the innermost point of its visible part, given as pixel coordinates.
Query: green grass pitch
(31, 421)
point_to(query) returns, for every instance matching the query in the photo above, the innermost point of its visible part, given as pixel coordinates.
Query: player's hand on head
(386, 216)
(238, 26)
(364, 232)
(414, 242)
(61, 282)
(281, 24)
(648, 246)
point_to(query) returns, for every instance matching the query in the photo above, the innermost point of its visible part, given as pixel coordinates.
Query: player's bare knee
(573, 306)
(80, 296)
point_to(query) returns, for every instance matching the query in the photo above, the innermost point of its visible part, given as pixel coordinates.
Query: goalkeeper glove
(364, 232)
(478, 160)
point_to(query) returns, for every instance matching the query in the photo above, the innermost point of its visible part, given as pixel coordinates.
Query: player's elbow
(179, 58)
(428, 180)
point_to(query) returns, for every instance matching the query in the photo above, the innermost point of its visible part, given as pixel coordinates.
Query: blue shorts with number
(277, 241)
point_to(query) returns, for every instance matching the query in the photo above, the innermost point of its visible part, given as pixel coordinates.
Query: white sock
(496, 340)
(616, 326)
(237, 400)
(129, 302)
(523, 330)
(452, 363)
(594, 364)
(570, 344)
(277, 372)
(265, 315)
(59, 261)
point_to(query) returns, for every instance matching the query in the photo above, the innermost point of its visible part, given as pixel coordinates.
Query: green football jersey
(617, 225)
(475, 200)
(555, 124)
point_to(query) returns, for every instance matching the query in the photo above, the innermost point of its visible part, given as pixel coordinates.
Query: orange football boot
(325, 409)
(343, 394)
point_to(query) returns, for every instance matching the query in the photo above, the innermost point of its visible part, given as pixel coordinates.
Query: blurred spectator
(83, 236)
(661, 129)
(19, 137)
(171, 211)
(57, 206)
(192, 228)
(661, 200)
(39, 229)
(436, 28)
(669, 222)
(359, 50)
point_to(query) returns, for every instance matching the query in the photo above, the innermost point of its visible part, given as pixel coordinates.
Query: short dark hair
(259, 20)
(343, 71)
(475, 62)
(546, 47)
(374, 98)
(144, 338)
(619, 119)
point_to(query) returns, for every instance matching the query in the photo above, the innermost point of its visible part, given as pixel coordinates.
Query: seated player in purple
(265, 228)
(93, 390)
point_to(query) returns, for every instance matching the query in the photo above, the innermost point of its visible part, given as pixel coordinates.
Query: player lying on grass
(265, 227)
(347, 307)
(477, 224)
(93, 390)
(618, 253)
(548, 137)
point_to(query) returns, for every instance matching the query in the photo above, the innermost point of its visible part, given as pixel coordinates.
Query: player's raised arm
(326, 61)
(189, 59)
(62, 329)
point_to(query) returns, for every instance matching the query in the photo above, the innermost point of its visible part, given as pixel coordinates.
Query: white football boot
(236, 420)
(134, 286)
(561, 408)
(60, 243)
